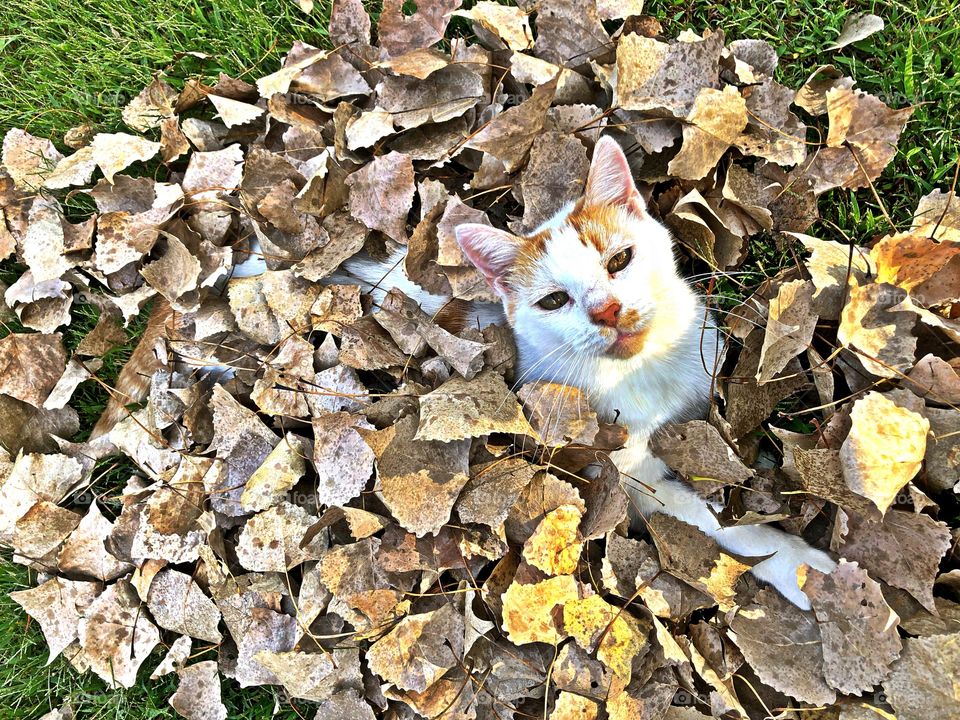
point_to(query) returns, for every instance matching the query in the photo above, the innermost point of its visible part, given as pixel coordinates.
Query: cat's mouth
(628, 343)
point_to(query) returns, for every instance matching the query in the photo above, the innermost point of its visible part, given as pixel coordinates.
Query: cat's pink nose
(607, 314)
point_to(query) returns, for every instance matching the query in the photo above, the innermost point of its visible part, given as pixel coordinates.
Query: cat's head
(600, 278)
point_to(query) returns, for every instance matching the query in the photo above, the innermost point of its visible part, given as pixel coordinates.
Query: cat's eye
(619, 261)
(554, 300)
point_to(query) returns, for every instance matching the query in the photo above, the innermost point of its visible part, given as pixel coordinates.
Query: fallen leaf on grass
(58, 606)
(198, 697)
(856, 27)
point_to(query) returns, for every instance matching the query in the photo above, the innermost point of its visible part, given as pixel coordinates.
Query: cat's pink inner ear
(492, 251)
(610, 180)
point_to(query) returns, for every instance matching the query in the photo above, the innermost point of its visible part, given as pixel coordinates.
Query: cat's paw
(781, 570)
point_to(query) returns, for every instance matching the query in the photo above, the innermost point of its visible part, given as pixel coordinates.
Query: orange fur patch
(594, 223)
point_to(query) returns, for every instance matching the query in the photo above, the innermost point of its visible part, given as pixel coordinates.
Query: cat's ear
(492, 251)
(610, 180)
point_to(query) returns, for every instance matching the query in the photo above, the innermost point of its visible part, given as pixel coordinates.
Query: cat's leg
(664, 494)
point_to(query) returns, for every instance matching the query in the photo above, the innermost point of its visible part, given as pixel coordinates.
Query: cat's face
(598, 279)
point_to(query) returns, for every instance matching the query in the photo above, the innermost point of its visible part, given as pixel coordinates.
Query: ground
(73, 61)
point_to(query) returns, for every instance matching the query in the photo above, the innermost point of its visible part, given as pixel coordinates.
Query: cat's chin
(628, 344)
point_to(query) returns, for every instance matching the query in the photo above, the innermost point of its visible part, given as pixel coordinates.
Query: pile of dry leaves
(362, 511)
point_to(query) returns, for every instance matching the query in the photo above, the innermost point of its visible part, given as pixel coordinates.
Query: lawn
(79, 61)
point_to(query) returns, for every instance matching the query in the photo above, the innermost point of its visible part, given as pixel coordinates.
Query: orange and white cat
(598, 286)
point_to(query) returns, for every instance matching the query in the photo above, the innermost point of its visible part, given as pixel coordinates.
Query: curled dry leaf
(856, 27)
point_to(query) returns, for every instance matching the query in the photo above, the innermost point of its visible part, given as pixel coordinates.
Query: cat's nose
(606, 314)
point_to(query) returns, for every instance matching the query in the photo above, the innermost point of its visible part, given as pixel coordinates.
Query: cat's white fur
(671, 379)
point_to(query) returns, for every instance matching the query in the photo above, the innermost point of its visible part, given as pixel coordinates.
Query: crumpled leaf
(861, 143)
(419, 480)
(872, 324)
(791, 323)
(151, 106)
(559, 414)
(510, 24)
(714, 123)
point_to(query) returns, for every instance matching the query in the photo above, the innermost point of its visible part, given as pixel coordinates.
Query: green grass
(70, 62)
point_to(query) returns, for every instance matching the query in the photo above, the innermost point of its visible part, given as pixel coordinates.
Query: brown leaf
(666, 78)
(270, 540)
(349, 23)
(554, 176)
(381, 194)
(493, 489)
(84, 554)
(198, 697)
(791, 323)
(903, 549)
(862, 140)
(400, 33)
(509, 135)
(942, 458)
(698, 451)
(30, 365)
(916, 688)
(858, 628)
(446, 94)
(419, 480)
(783, 645)
(570, 33)
(885, 447)
(935, 379)
(461, 409)
(695, 558)
(559, 414)
(631, 568)
(178, 604)
(153, 105)
(510, 24)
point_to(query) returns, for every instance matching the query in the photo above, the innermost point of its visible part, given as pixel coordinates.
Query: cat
(595, 301)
